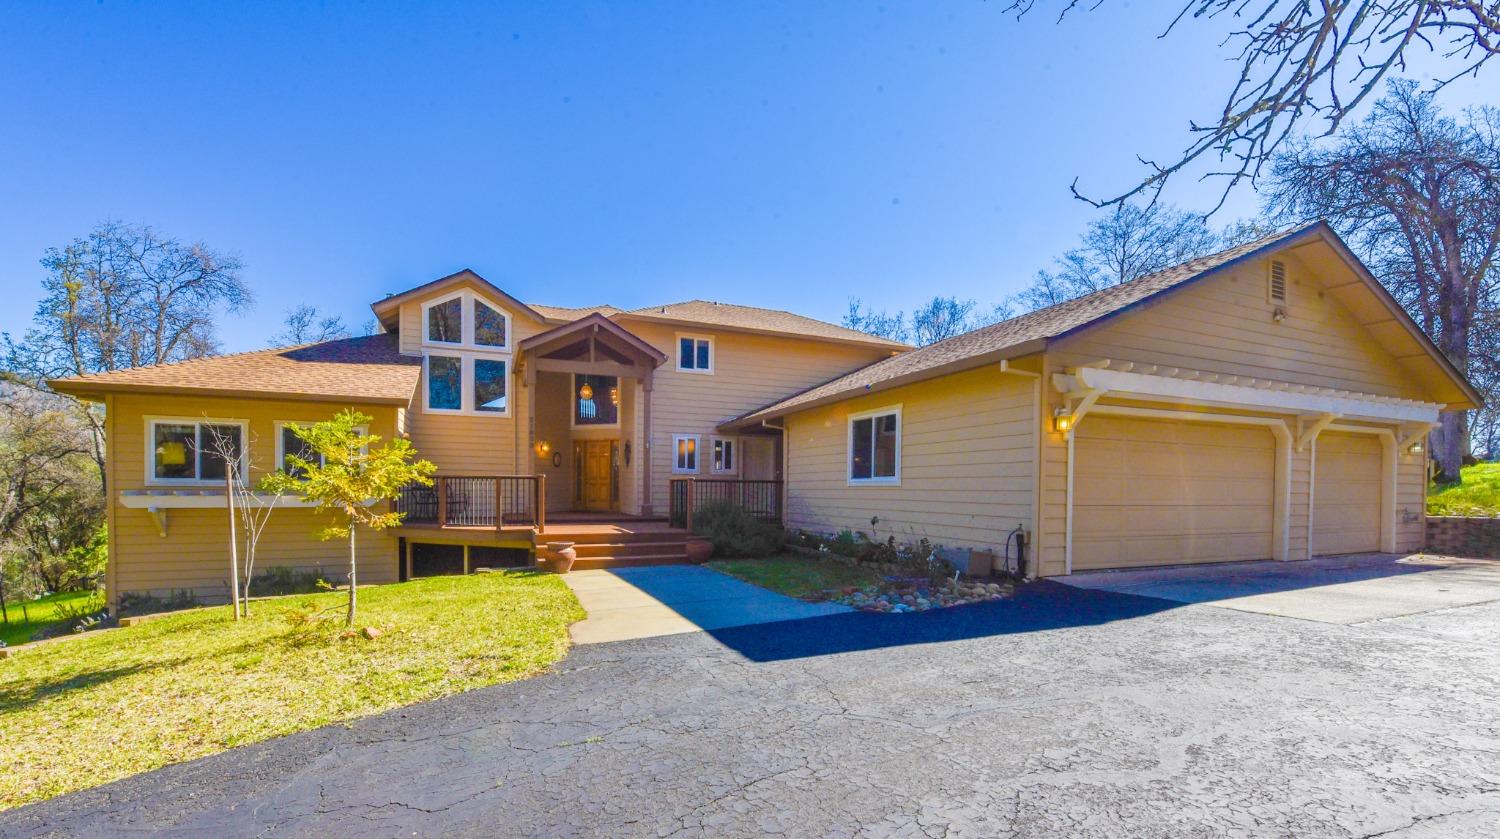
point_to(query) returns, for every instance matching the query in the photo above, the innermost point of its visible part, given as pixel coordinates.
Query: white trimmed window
(466, 364)
(185, 451)
(287, 442)
(695, 354)
(464, 319)
(875, 446)
(685, 454)
(466, 383)
(723, 456)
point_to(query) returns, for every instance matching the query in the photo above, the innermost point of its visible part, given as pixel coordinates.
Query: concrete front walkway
(1337, 589)
(628, 603)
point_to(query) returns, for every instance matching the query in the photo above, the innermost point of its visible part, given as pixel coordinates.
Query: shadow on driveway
(1035, 607)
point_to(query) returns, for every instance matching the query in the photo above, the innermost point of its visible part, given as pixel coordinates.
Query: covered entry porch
(589, 417)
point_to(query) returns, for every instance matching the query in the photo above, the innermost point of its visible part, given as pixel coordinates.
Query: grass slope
(83, 712)
(1477, 495)
(43, 612)
(796, 575)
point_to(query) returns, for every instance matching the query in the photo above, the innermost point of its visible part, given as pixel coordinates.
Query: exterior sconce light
(542, 448)
(1062, 420)
(1417, 447)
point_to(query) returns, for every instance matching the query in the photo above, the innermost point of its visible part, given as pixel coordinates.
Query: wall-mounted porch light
(1417, 447)
(1062, 420)
(543, 448)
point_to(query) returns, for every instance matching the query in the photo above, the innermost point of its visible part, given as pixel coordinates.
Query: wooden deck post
(540, 488)
(688, 502)
(442, 488)
(499, 503)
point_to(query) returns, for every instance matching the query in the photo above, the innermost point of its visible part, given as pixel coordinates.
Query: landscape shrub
(734, 532)
(282, 579)
(146, 603)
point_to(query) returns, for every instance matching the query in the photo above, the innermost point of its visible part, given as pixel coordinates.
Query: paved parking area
(1341, 589)
(1062, 712)
(629, 603)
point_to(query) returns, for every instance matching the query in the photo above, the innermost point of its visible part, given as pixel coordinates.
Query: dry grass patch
(95, 709)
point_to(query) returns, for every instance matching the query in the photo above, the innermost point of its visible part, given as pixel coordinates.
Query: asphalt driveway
(1063, 712)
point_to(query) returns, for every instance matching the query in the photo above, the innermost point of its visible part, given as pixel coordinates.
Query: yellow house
(1269, 401)
(545, 423)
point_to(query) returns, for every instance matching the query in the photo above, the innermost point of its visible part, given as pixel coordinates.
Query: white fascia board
(1202, 389)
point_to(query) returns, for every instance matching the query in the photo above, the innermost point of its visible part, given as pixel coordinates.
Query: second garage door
(1153, 492)
(1346, 494)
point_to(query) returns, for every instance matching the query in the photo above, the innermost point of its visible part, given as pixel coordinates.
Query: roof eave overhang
(1475, 399)
(96, 392)
(756, 418)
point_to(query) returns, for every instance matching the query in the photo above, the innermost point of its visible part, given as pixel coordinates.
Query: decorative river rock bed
(899, 595)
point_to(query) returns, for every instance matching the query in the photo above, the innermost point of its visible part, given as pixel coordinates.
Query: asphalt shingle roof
(365, 369)
(994, 340)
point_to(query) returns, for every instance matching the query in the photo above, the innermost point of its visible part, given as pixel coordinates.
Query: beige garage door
(1151, 492)
(1346, 494)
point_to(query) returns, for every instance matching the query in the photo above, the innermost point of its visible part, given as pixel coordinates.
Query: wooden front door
(596, 474)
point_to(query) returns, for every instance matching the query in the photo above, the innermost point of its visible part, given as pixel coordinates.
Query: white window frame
(153, 421)
(466, 328)
(677, 468)
(466, 379)
(713, 353)
(280, 463)
(894, 480)
(573, 422)
(734, 455)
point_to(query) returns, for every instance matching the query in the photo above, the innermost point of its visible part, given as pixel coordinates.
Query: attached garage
(1170, 492)
(1346, 494)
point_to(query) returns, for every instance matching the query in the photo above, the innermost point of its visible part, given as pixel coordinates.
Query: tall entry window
(596, 400)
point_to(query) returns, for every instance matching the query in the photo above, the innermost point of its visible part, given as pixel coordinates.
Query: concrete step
(624, 549)
(597, 562)
(597, 536)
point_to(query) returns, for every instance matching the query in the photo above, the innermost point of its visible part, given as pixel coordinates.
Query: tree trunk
(234, 559)
(353, 598)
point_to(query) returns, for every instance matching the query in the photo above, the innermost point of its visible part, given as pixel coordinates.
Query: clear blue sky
(788, 155)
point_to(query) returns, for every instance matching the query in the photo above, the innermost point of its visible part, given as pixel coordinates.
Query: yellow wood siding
(749, 371)
(1159, 492)
(1223, 324)
(194, 553)
(967, 444)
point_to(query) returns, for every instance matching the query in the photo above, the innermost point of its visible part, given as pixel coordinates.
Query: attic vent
(1276, 288)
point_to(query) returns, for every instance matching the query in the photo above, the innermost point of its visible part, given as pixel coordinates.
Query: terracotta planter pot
(560, 556)
(699, 550)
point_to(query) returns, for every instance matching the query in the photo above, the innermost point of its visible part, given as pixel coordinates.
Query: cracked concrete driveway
(1064, 712)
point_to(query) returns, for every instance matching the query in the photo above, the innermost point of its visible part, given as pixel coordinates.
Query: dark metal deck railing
(476, 501)
(761, 499)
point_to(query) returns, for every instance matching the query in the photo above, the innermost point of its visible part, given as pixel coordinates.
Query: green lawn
(1477, 495)
(83, 712)
(24, 623)
(797, 575)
